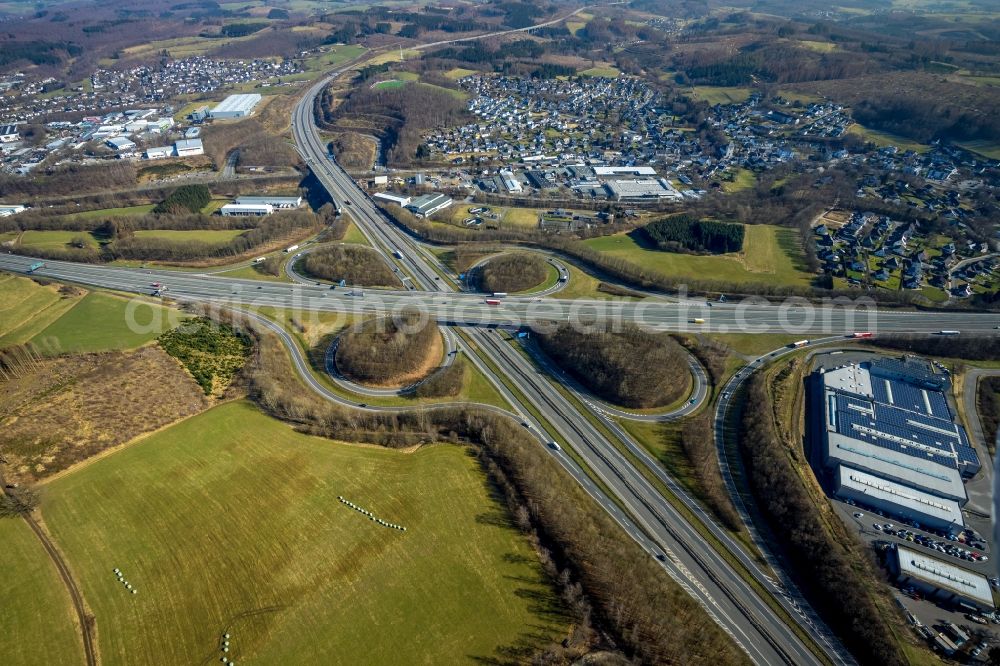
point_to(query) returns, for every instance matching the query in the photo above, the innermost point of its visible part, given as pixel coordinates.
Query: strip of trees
(972, 347)
(988, 404)
(640, 610)
(383, 350)
(630, 367)
(512, 272)
(361, 266)
(838, 582)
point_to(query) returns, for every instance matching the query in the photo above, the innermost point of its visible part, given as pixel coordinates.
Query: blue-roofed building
(891, 441)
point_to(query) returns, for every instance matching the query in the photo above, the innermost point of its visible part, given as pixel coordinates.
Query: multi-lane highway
(642, 510)
(685, 553)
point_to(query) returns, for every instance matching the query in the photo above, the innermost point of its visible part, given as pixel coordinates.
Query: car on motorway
(858, 514)
(555, 446)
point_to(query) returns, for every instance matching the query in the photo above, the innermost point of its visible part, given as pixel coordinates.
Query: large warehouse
(236, 106)
(427, 204)
(941, 580)
(891, 442)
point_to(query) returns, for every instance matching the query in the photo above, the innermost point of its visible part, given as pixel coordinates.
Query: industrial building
(282, 203)
(648, 189)
(604, 171)
(189, 148)
(11, 209)
(121, 145)
(182, 148)
(427, 204)
(890, 440)
(236, 106)
(940, 580)
(246, 210)
(8, 133)
(398, 199)
(159, 152)
(510, 182)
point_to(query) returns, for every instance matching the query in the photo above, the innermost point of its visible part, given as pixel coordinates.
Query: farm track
(74, 591)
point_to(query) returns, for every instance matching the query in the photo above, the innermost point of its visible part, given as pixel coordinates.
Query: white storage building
(246, 210)
(8, 133)
(189, 148)
(398, 199)
(283, 203)
(236, 106)
(159, 152)
(941, 580)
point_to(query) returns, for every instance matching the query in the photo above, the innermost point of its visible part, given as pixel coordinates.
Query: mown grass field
(27, 307)
(124, 211)
(230, 521)
(606, 71)
(458, 72)
(100, 321)
(37, 625)
(770, 255)
(720, 94)
(887, 139)
(54, 240)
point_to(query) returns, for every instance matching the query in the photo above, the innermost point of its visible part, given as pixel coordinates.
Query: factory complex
(890, 441)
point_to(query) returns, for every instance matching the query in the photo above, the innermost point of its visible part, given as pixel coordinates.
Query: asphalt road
(686, 555)
(652, 520)
(446, 307)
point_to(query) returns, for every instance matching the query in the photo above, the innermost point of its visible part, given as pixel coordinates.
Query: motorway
(682, 550)
(648, 516)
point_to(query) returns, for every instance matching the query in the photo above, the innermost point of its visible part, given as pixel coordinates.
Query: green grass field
(230, 521)
(743, 179)
(125, 211)
(99, 322)
(27, 307)
(990, 149)
(770, 255)
(41, 629)
(388, 85)
(52, 240)
(720, 94)
(458, 72)
(887, 139)
(607, 72)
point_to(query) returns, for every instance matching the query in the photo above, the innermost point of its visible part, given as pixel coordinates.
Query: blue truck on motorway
(35, 266)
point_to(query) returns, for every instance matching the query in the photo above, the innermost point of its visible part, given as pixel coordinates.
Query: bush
(384, 350)
(633, 368)
(444, 383)
(360, 266)
(512, 272)
(211, 352)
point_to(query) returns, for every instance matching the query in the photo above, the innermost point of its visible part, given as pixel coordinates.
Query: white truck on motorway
(291, 249)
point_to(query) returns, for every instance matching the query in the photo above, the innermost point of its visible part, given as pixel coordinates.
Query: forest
(684, 232)
(381, 351)
(358, 266)
(514, 272)
(186, 198)
(397, 116)
(631, 367)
